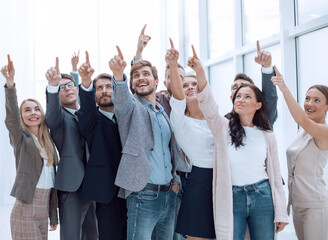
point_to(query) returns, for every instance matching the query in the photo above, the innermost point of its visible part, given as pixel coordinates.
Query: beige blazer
(29, 163)
(222, 187)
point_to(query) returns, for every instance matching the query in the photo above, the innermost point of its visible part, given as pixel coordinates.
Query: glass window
(221, 78)
(220, 27)
(309, 10)
(191, 26)
(261, 19)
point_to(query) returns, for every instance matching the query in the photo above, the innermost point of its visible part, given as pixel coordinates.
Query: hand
(263, 57)
(175, 187)
(280, 226)
(172, 55)
(117, 65)
(278, 80)
(75, 60)
(53, 227)
(8, 72)
(53, 74)
(142, 43)
(86, 71)
(194, 61)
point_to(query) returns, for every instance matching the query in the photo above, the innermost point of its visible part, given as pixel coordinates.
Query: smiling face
(31, 114)
(104, 91)
(246, 101)
(143, 81)
(189, 85)
(69, 95)
(315, 105)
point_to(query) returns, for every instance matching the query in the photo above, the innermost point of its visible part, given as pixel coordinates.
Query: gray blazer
(136, 131)
(70, 144)
(29, 163)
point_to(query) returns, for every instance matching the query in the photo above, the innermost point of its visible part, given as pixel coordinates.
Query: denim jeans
(178, 236)
(148, 209)
(253, 206)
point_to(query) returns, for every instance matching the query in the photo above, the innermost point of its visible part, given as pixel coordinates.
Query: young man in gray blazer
(62, 103)
(146, 174)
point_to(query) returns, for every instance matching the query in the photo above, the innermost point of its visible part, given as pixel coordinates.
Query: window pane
(261, 19)
(221, 78)
(309, 10)
(191, 26)
(220, 23)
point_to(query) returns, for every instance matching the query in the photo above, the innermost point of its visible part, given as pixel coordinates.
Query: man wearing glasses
(62, 103)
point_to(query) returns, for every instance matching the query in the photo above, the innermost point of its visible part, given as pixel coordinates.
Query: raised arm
(317, 130)
(75, 60)
(171, 58)
(88, 112)
(196, 65)
(264, 58)
(142, 43)
(12, 120)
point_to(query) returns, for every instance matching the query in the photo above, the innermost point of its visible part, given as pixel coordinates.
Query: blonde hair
(43, 133)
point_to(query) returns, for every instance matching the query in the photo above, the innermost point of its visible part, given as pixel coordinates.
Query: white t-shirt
(192, 135)
(247, 162)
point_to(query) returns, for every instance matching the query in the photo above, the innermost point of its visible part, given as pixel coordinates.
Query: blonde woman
(307, 158)
(36, 199)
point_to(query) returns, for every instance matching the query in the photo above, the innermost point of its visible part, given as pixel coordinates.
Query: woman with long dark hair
(247, 183)
(307, 158)
(36, 158)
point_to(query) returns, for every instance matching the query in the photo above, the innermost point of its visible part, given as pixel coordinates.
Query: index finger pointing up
(194, 52)
(119, 52)
(278, 74)
(57, 65)
(171, 42)
(8, 56)
(258, 46)
(87, 57)
(143, 30)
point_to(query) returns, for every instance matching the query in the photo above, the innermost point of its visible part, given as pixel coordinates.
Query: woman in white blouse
(36, 200)
(195, 139)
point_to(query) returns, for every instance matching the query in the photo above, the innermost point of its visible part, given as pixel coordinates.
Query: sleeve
(177, 113)
(210, 110)
(53, 204)
(270, 96)
(12, 120)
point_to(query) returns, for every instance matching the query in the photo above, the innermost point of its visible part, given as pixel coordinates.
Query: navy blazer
(105, 149)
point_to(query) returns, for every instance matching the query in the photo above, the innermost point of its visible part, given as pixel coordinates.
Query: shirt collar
(107, 114)
(71, 110)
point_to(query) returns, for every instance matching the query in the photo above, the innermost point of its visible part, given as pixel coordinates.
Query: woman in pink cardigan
(247, 186)
(307, 158)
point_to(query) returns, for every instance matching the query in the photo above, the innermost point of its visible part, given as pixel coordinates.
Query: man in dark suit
(62, 103)
(99, 127)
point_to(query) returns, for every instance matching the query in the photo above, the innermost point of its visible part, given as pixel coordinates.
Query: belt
(183, 174)
(155, 187)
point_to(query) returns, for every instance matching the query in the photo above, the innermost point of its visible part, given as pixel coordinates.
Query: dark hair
(67, 76)
(322, 88)
(168, 67)
(260, 119)
(139, 65)
(102, 76)
(244, 77)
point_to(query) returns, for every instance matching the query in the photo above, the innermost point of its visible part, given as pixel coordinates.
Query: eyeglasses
(70, 84)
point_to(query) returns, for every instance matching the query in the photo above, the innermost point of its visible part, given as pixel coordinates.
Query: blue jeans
(178, 236)
(148, 209)
(253, 206)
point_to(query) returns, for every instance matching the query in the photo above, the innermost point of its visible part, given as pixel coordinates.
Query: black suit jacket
(105, 149)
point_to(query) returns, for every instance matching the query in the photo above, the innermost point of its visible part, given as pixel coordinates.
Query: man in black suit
(99, 127)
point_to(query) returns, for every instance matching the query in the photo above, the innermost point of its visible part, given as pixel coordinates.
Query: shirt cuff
(52, 89)
(120, 82)
(136, 61)
(267, 70)
(89, 89)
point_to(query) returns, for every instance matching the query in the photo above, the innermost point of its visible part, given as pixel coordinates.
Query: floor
(287, 234)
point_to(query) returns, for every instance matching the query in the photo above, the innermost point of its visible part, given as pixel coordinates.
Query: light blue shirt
(160, 157)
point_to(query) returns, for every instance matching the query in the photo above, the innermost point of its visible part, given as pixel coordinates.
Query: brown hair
(322, 88)
(43, 133)
(244, 77)
(139, 65)
(67, 76)
(168, 68)
(102, 76)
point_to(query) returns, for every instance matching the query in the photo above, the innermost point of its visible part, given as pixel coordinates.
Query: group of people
(138, 164)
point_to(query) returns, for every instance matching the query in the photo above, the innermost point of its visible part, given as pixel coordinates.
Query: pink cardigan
(222, 187)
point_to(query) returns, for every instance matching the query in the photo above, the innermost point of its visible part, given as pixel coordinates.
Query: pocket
(148, 195)
(62, 197)
(131, 151)
(264, 191)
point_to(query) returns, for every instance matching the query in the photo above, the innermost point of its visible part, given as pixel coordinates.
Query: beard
(104, 103)
(143, 94)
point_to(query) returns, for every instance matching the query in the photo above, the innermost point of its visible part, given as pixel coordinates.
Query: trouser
(77, 217)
